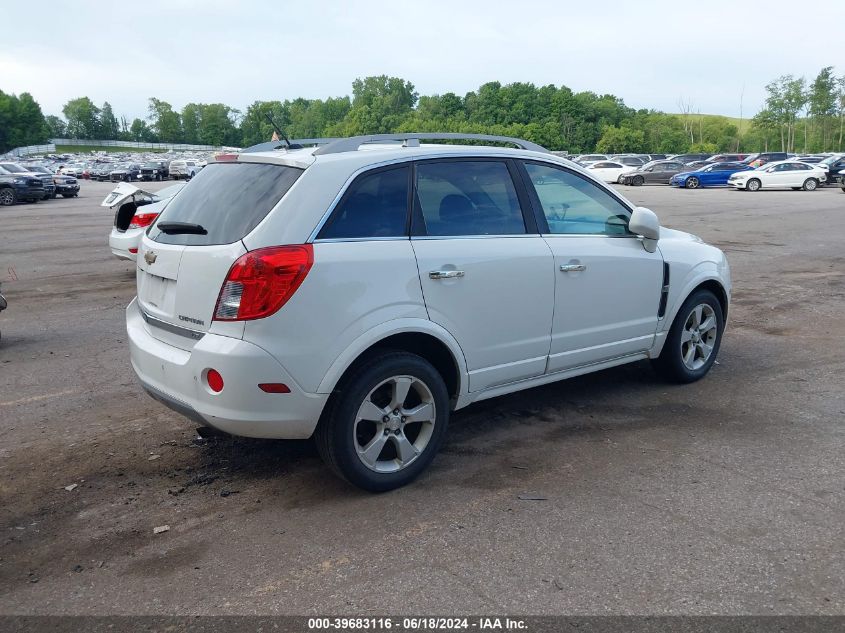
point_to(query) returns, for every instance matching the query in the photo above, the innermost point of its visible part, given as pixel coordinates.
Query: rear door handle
(572, 268)
(445, 274)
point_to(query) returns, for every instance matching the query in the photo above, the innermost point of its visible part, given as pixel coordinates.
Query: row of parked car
(775, 170)
(135, 170)
(31, 183)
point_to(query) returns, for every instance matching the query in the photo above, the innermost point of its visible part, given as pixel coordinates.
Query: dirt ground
(726, 496)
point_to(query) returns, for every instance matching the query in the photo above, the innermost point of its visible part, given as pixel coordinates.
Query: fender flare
(385, 330)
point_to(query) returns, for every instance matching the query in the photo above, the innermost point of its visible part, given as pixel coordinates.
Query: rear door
(486, 274)
(607, 286)
(185, 256)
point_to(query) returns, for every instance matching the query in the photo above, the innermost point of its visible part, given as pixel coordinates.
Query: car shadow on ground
(590, 404)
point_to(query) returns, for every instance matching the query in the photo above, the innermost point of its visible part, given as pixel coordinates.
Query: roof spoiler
(270, 146)
(412, 139)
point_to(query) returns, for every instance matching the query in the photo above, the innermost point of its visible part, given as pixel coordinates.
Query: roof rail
(412, 139)
(269, 146)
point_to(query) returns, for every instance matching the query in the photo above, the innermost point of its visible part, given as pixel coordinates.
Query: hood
(678, 236)
(122, 193)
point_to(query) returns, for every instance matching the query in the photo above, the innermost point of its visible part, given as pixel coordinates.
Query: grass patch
(84, 149)
(744, 122)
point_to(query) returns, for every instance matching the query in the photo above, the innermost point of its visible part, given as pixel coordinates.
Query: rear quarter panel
(352, 288)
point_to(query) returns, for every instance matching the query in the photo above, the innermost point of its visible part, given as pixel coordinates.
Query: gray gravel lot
(725, 496)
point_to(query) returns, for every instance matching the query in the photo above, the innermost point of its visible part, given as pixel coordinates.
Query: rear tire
(362, 433)
(693, 341)
(811, 184)
(753, 185)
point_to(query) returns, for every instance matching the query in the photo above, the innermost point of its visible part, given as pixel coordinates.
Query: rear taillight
(262, 281)
(140, 220)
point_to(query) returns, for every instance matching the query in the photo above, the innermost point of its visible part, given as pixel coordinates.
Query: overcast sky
(650, 53)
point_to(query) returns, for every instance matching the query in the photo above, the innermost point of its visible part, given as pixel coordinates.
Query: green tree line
(797, 116)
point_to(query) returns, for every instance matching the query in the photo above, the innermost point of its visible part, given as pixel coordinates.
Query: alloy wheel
(698, 337)
(394, 424)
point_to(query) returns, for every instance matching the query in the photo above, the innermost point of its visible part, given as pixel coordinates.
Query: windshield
(830, 160)
(12, 168)
(227, 200)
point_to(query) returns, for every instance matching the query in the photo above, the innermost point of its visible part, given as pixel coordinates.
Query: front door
(607, 286)
(486, 274)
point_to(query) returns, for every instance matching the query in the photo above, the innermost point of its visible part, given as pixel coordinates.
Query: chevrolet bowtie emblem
(150, 257)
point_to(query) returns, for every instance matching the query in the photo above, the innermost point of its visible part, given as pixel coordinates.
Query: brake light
(140, 220)
(262, 281)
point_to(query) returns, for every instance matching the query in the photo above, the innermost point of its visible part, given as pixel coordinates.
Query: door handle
(572, 268)
(445, 274)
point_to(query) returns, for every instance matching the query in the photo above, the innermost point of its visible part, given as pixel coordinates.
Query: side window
(575, 206)
(375, 205)
(468, 198)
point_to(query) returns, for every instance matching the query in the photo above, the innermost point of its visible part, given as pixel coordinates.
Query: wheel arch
(708, 281)
(425, 339)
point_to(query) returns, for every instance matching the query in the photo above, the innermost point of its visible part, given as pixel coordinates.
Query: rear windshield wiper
(177, 228)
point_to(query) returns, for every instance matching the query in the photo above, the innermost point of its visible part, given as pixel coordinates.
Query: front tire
(385, 423)
(692, 183)
(810, 184)
(638, 181)
(694, 339)
(8, 197)
(753, 185)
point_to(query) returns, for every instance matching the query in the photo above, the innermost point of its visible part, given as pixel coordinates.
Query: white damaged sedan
(135, 210)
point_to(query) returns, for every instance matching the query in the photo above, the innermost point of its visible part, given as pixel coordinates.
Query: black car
(39, 172)
(101, 172)
(689, 158)
(660, 172)
(155, 170)
(14, 187)
(834, 166)
(126, 172)
(727, 158)
(758, 160)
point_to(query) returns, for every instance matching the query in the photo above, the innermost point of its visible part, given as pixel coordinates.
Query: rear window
(228, 200)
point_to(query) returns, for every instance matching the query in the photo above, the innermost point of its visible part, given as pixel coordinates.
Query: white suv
(184, 169)
(360, 291)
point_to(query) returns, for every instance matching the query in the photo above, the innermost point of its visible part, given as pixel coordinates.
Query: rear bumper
(120, 243)
(176, 377)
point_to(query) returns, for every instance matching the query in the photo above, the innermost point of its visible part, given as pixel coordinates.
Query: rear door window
(374, 206)
(227, 200)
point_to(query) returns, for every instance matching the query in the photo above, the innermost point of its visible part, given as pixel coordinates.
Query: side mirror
(644, 223)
